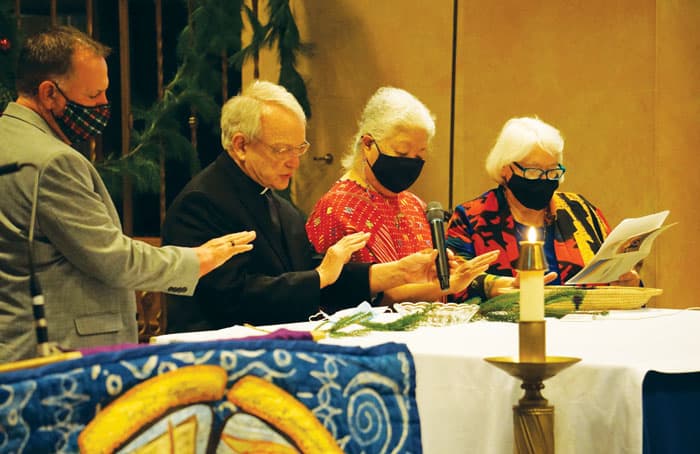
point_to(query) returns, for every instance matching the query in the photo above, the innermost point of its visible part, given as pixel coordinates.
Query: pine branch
(363, 320)
(506, 307)
(283, 30)
(214, 29)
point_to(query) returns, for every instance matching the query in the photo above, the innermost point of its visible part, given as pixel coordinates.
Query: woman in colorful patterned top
(527, 164)
(386, 158)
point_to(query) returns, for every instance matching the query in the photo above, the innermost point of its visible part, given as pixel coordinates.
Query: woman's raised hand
(338, 255)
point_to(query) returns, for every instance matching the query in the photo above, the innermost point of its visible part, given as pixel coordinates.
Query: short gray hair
(388, 111)
(517, 139)
(242, 112)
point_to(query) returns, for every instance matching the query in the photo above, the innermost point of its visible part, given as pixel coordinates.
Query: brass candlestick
(533, 417)
(532, 256)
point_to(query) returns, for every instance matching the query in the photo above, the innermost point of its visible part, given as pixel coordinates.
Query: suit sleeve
(74, 217)
(351, 288)
(246, 289)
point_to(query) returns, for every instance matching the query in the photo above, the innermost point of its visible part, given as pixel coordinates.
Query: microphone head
(434, 212)
(10, 168)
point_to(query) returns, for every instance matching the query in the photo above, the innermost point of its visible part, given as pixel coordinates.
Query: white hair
(242, 112)
(517, 139)
(387, 112)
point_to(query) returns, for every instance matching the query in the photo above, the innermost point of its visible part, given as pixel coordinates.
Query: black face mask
(396, 173)
(533, 194)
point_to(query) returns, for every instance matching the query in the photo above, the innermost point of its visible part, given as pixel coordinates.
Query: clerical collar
(243, 181)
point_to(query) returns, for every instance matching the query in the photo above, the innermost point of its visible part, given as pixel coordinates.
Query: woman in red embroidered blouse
(387, 156)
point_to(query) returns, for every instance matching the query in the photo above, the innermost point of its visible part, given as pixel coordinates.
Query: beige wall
(676, 180)
(586, 67)
(347, 66)
(619, 79)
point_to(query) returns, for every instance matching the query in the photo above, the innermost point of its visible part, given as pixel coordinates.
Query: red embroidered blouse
(397, 224)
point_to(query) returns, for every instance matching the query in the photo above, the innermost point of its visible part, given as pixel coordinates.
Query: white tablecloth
(465, 404)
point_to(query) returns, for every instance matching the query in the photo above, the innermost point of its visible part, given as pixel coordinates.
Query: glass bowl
(439, 314)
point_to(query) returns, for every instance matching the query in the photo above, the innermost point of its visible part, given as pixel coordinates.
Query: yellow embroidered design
(583, 240)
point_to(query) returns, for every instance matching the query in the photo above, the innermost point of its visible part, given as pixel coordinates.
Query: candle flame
(532, 235)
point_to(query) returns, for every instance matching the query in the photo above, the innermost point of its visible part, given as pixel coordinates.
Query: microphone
(10, 168)
(436, 219)
(44, 348)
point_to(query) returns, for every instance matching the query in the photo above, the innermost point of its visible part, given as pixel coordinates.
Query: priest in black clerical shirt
(263, 133)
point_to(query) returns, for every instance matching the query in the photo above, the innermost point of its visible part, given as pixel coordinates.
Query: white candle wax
(531, 281)
(531, 296)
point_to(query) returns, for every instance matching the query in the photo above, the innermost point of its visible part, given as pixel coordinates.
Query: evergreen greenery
(363, 321)
(506, 308)
(214, 30)
(503, 308)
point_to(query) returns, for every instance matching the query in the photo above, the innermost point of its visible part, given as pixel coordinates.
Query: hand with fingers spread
(463, 272)
(414, 278)
(419, 267)
(338, 255)
(401, 280)
(217, 251)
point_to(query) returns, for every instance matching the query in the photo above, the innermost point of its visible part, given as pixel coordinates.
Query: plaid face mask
(79, 122)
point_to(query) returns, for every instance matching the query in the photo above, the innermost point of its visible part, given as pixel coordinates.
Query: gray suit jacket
(87, 268)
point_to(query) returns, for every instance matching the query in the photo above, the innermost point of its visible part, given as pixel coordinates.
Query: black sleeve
(243, 290)
(351, 288)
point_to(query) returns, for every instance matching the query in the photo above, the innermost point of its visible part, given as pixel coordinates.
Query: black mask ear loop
(55, 91)
(374, 142)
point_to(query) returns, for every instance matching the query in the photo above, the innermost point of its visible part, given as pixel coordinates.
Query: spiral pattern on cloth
(372, 399)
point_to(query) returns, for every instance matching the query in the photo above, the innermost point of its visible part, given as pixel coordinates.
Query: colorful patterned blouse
(397, 224)
(486, 223)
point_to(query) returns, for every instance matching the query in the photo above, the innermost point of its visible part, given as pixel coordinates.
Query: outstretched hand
(419, 266)
(338, 255)
(217, 251)
(462, 272)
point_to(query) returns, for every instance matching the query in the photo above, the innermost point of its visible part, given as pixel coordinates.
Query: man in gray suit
(87, 268)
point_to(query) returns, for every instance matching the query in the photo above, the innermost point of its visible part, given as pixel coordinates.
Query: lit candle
(531, 267)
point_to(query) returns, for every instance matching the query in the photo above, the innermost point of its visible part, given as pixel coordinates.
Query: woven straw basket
(606, 298)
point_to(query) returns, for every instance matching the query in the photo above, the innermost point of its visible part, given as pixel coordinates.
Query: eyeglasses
(533, 173)
(287, 150)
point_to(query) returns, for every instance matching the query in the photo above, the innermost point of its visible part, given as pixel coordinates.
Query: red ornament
(5, 44)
